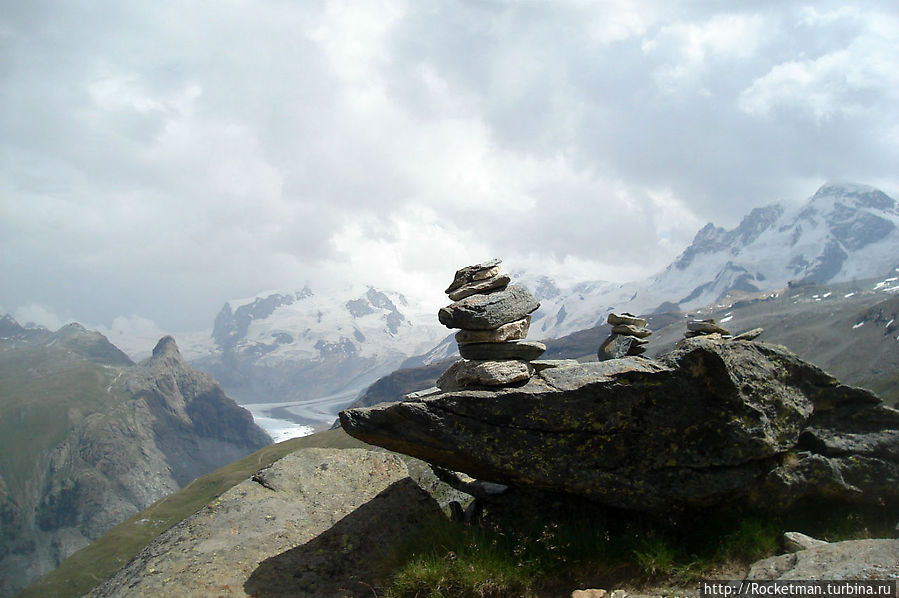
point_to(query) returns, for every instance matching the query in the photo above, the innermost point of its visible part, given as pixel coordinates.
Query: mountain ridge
(87, 438)
(844, 231)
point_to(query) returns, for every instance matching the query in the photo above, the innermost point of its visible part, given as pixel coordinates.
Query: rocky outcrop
(854, 559)
(713, 421)
(319, 522)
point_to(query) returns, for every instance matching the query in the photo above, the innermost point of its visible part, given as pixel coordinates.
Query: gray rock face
(488, 312)
(318, 522)
(855, 559)
(711, 422)
(465, 373)
(525, 350)
(470, 274)
(512, 331)
(481, 286)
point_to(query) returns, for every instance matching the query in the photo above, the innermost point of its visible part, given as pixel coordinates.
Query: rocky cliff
(87, 438)
(713, 421)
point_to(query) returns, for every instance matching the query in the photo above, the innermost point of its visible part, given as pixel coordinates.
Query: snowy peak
(234, 319)
(712, 239)
(359, 320)
(375, 301)
(862, 196)
(820, 241)
(843, 232)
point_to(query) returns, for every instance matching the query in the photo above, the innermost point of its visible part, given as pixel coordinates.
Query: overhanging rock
(713, 421)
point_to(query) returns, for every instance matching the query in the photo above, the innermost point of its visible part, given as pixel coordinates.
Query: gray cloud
(157, 159)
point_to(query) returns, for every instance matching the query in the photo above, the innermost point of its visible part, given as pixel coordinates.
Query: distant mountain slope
(280, 347)
(843, 232)
(849, 329)
(88, 438)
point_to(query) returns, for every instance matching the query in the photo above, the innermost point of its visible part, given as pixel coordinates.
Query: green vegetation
(43, 391)
(589, 546)
(86, 568)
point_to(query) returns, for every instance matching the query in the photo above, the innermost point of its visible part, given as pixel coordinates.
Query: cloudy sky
(159, 158)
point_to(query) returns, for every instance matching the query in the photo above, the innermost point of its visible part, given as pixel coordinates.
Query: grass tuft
(545, 552)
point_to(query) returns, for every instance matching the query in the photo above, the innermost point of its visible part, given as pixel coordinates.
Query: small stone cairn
(492, 317)
(629, 337)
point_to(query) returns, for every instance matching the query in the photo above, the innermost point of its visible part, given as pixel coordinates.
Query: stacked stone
(493, 318)
(629, 337)
(704, 328)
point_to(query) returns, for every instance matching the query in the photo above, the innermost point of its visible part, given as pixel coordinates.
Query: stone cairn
(629, 337)
(493, 318)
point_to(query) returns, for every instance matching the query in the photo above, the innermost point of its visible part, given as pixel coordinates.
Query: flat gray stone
(420, 394)
(524, 350)
(481, 286)
(631, 330)
(709, 326)
(626, 318)
(488, 312)
(512, 331)
(749, 334)
(469, 274)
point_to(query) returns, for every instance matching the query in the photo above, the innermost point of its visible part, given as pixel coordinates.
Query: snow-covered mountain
(843, 232)
(321, 348)
(280, 347)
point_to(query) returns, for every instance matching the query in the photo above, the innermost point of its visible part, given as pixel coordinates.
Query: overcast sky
(159, 158)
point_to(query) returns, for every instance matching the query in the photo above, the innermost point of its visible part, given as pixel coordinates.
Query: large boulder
(318, 522)
(713, 421)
